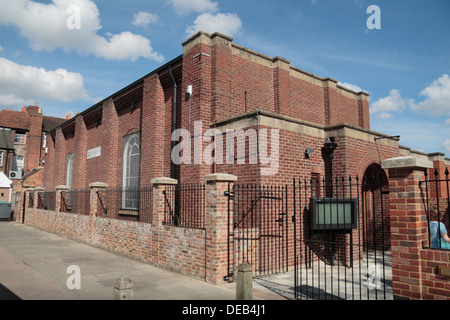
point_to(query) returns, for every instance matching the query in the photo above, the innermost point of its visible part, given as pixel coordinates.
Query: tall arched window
(69, 170)
(69, 175)
(131, 170)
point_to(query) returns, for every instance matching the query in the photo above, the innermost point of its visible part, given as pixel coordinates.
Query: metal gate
(341, 236)
(258, 228)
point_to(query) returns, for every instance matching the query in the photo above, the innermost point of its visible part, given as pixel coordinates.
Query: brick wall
(178, 249)
(415, 266)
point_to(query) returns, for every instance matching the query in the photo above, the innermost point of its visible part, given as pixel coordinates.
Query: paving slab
(34, 266)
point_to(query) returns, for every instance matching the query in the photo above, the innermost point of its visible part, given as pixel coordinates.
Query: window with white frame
(130, 171)
(69, 169)
(1, 159)
(69, 175)
(20, 138)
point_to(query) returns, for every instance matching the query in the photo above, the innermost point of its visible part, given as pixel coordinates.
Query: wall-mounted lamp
(189, 91)
(308, 152)
(330, 146)
(133, 106)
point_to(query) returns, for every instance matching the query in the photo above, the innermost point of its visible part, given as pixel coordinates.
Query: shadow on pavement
(6, 294)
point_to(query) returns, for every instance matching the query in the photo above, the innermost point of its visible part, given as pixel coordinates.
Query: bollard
(244, 282)
(123, 289)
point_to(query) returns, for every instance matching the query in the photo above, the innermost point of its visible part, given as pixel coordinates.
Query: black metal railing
(341, 238)
(76, 201)
(31, 200)
(184, 205)
(47, 200)
(435, 191)
(258, 228)
(133, 204)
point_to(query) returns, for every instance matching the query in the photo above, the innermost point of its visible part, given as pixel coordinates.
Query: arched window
(131, 170)
(69, 175)
(69, 170)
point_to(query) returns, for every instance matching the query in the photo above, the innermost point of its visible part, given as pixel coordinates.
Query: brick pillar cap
(30, 189)
(62, 187)
(164, 180)
(98, 185)
(40, 189)
(406, 162)
(219, 177)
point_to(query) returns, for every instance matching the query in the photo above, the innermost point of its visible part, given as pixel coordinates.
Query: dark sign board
(333, 214)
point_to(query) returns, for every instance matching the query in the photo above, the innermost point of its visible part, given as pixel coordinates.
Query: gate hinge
(227, 277)
(228, 194)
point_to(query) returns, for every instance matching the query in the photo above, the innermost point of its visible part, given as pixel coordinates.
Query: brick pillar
(408, 220)
(155, 134)
(28, 191)
(79, 161)
(25, 209)
(158, 185)
(97, 194)
(217, 226)
(59, 159)
(36, 195)
(158, 198)
(281, 82)
(58, 202)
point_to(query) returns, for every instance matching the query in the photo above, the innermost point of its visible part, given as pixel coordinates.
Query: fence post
(216, 223)
(408, 223)
(158, 198)
(28, 191)
(244, 282)
(95, 201)
(36, 196)
(58, 193)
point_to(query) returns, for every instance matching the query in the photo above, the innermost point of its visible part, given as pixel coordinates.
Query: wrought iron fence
(134, 204)
(258, 228)
(184, 205)
(47, 200)
(435, 193)
(341, 235)
(31, 200)
(76, 201)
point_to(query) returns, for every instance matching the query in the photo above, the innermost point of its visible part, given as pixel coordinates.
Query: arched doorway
(375, 209)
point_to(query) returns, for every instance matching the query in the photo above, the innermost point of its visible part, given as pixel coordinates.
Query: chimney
(68, 117)
(24, 109)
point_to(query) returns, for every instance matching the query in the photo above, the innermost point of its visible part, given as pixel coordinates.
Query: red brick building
(217, 112)
(230, 88)
(26, 149)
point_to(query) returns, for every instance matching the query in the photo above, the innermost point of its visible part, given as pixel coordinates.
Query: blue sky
(70, 54)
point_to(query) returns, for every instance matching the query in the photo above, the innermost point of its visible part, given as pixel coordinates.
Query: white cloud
(446, 146)
(385, 106)
(226, 23)
(1, 48)
(350, 86)
(20, 84)
(437, 102)
(46, 26)
(447, 121)
(184, 7)
(143, 19)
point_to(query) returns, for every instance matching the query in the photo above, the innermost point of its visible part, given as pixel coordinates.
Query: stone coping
(406, 162)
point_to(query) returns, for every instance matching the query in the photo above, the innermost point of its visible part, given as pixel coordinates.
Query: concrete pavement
(34, 266)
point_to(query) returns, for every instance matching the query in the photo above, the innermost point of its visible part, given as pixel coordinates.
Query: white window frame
(1, 158)
(132, 143)
(69, 170)
(21, 136)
